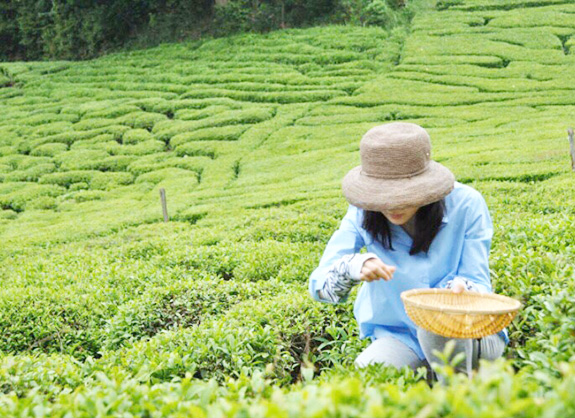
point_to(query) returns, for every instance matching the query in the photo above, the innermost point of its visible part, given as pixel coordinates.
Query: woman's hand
(458, 285)
(375, 269)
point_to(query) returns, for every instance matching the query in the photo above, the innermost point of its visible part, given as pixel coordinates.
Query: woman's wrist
(342, 276)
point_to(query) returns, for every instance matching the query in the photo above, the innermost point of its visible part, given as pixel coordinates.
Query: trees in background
(80, 29)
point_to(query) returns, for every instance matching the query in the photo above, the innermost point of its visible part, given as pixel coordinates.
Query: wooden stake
(164, 204)
(572, 146)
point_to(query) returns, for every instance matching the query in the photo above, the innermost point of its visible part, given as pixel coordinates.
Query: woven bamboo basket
(462, 315)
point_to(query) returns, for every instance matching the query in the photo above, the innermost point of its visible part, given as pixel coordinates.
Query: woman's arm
(332, 280)
(342, 276)
(473, 268)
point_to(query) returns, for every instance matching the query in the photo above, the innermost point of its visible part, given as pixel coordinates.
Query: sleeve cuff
(356, 263)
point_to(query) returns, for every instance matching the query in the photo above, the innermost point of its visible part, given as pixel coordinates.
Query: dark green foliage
(76, 29)
(266, 15)
(32, 30)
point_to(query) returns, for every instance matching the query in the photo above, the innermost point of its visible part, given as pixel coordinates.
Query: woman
(421, 229)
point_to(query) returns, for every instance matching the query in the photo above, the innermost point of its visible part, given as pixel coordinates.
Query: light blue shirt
(461, 248)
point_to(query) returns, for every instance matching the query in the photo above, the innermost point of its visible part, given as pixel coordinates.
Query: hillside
(105, 309)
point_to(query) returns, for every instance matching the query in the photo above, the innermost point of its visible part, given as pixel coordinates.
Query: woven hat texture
(396, 170)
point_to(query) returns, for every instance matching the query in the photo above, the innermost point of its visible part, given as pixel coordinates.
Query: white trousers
(393, 352)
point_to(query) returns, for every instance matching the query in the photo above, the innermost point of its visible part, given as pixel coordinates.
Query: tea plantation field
(105, 310)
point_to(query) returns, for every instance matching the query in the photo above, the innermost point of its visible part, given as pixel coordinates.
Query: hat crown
(395, 150)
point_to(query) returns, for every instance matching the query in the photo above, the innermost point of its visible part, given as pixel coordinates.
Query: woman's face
(400, 216)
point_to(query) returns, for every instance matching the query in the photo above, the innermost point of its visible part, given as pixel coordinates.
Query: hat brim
(377, 194)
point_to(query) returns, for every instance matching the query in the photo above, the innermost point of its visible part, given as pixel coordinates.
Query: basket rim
(514, 304)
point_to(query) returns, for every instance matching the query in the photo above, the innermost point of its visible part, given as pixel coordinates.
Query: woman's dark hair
(427, 222)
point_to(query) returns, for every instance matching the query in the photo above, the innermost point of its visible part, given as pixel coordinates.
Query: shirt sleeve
(342, 276)
(473, 266)
(346, 240)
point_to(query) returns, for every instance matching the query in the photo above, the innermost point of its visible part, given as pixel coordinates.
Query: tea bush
(65, 179)
(136, 136)
(158, 176)
(105, 309)
(30, 174)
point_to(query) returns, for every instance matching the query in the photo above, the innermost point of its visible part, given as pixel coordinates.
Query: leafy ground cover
(105, 310)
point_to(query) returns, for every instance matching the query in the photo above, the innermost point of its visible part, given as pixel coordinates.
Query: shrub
(188, 114)
(253, 261)
(114, 163)
(18, 196)
(142, 120)
(49, 150)
(182, 304)
(48, 374)
(28, 325)
(93, 123)
(112, 111)
(43, 203)
(226, 133)
(155, 162)
(53, 128)
(67, 178)
(79, 186)
(8, 150)
(152, 146)
(80, 159)
(93, 143)
(23, 162)
(8, 214)
(87, 195)
(109, 181)
(136, 136)
(166, 173)
(116, 131)
(31, 174)
(195, 150)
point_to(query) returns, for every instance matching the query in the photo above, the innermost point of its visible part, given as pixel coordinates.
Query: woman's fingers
(368, 272)
(375, 269)
(383, 273)
(458, 287)
(368, 275)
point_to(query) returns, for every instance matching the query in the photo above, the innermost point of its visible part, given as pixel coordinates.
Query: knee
(492, 347)
(358, 363)
(372, 356)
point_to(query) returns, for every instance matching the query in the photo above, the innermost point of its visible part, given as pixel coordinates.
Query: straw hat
(396, 170)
